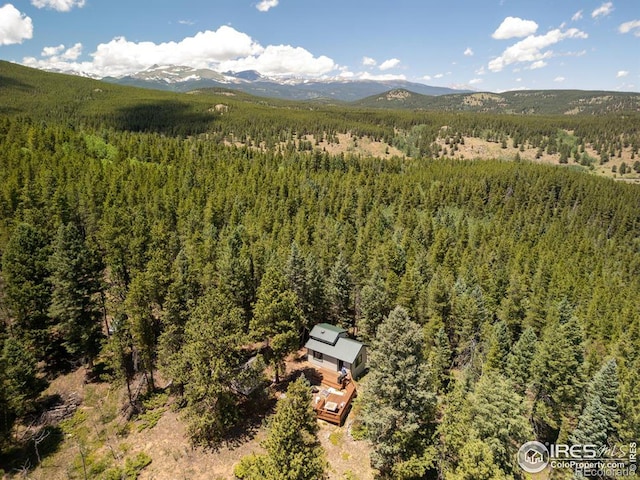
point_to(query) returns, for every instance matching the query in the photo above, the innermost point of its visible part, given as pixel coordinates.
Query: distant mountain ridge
(184, 79)
(533, 102)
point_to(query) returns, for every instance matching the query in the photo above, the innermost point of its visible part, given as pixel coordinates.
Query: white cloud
(73, 53)
(203, 50)
(266, 5)
(577, 16)
(369, 62)
(59, 52)
(282, 60)
(389, 64)
(186, 22)
(59, 57)
(468, 52)
(481, 71)
(51, 51)
(538, 64)
(514, 27)
(559, 79)
(223, 49)
(426, 77)
(59, 5)
(438, 75)
(603, 10)
(14, 25)
(380, 78)
(531, 49)
(633, 26)
(475, 81)
(622, 74)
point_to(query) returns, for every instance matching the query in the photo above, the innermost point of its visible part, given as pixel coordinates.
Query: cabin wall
(327, 362)
(357, 368)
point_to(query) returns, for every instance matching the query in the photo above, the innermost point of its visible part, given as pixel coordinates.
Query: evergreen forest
(150, 238)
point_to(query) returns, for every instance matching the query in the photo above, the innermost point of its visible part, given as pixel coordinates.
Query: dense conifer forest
(499, 299)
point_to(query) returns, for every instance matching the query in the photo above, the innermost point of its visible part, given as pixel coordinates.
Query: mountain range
(521, 102)
(185, 79)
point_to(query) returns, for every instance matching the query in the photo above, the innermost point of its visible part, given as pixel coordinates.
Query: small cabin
(330, 348)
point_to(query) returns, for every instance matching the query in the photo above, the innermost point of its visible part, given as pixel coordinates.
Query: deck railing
(331, 394)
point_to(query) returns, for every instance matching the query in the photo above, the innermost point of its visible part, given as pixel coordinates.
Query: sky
(484, 45)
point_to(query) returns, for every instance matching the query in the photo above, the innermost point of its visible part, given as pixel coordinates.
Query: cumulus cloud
(475, 81)
(577, 16)
(14, 25)
(59, 5)
(60, 52)
(223, 49)
(369, 62)
(389, 64)
(537, 65)
(603, 10)
(72, 53)
(514, 27)
(266, 5)
(559, 79)
(630, 27)
(282, 60)
(533, 49)
(622, 74)
(380, 78)
(468, 52)
(51, 51)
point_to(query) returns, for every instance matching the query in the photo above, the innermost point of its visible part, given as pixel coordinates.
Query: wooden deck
(331, 402)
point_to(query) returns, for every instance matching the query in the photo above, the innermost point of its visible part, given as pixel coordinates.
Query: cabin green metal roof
(345, 349)
(327, 333)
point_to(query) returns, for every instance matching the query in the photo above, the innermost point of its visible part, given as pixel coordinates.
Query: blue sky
(489, 45)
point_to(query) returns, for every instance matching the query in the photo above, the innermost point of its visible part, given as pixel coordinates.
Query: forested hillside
(508, 289)
(529, 102)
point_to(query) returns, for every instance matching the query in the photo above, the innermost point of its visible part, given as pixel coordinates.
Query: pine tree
(19, 384)
(398, 404)
(305, 280)
(499, 346)
(476, 463)
(453, 431)
(558, 376)
(207, 365)
(520, 360)
(315, 306)
(293, 450)
(235, 271)
(374, 307)
(181, 298)
(593, 424)
(143, 325)
(25, 270)
(440, 360)
(75, 307)
(469, 313)
(499, 419)
(277, 317)
(339, 290)
(600, 417)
